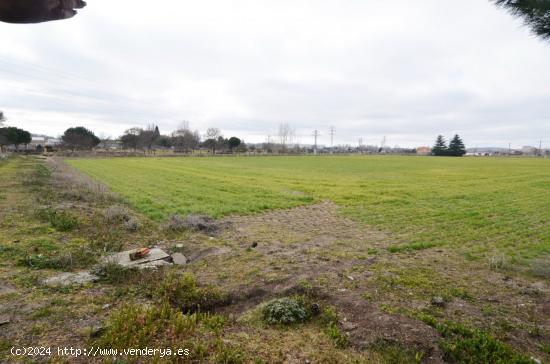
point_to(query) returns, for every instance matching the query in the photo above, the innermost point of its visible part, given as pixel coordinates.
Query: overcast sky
(408, 70)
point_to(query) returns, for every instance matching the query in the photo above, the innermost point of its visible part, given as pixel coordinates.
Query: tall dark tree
(440, 148)
(7, 137)
(14, 136)
(210, 144)
(23, 138)
(535, 13)
(2, 119)
(456, 147)
(233, 143)
(80, 138)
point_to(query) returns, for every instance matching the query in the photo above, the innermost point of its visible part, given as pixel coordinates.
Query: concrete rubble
(68, 279)
(179, 259)
(153, 259)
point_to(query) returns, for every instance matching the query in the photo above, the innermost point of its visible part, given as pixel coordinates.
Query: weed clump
(76, 258)
(114, 273)
(183, 292)
(132, 224)
(59, 219)
(330, 319)
(38, 177)
(116, 214)
(462, 344)
(394, 352)
(136, 326)
(285, 311)
(541, 268)
(176, 223)
(192, 222)
(499, 262)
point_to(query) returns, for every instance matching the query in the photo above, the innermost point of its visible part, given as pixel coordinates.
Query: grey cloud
(372, 69)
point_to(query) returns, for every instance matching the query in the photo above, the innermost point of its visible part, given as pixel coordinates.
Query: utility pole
(316, 135)
(509, 148)
(540, 148)
(332, 130)
(383, 144)
(361, 145)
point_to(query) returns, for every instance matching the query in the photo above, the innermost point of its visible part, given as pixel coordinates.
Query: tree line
(149, 139)
(181, 140)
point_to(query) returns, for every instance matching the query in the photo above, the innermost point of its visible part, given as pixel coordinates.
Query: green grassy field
(480, 206)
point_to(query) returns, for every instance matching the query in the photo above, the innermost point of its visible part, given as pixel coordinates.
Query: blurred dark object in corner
(38, 11)
(535, 14)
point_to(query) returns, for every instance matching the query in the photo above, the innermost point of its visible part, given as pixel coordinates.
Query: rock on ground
(67, 279)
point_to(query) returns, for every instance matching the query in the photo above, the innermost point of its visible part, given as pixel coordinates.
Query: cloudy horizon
(404, 70)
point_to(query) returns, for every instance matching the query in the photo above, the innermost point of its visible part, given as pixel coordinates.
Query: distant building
(424, 151)
(528, 150)
(52, 142)
(110, 144)
(37, 143)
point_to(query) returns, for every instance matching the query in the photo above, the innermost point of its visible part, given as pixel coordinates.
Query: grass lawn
(478, 205)
(380, 259)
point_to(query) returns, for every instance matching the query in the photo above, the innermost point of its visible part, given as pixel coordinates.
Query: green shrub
(339, 339)
(63, 220)
(285, 311)
(59, 219)
(138, 327)
(135, 326)
(183, 292)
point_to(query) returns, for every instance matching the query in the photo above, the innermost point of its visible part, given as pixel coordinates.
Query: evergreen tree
(440, 147)
(535, 13)
(80, 138)
(456, 147)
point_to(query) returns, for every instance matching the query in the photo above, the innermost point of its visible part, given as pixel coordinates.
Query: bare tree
(184, 139)
(184, 125)
(213, 133)
(285, 134)
(213, 136)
